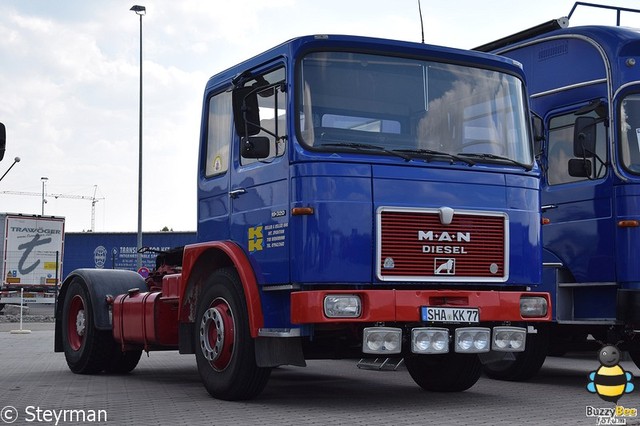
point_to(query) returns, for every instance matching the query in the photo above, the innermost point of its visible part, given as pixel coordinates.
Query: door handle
(237, 192)
(548, 207)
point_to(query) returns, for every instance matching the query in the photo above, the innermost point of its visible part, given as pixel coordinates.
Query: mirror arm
(278, 85)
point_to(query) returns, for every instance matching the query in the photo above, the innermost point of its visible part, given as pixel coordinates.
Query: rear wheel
(452, 372)
(225, 351)
(86, 348)
(522, 365)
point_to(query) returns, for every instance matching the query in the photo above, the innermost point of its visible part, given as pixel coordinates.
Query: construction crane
(93, 199)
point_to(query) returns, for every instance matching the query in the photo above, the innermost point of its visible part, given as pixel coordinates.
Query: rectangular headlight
(382, 340)
(342, 306)
(533, 306)
(429, 340)
(509, 339)
(473, 340)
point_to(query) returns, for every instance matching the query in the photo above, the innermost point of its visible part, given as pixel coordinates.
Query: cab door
(577, 201)
(259, 185)
(215, 159)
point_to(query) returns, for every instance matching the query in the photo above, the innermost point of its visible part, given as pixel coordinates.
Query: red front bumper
(307, 307)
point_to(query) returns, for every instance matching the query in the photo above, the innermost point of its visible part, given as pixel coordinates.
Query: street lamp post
(15, 160)
(44, 201)
(140, 11)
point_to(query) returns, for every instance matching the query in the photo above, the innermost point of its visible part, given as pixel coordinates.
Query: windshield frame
(399, 131)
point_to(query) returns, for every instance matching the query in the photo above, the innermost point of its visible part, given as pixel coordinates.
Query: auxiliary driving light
(533, 306)
(429, 340)
(472, 340)
(382, 340)
(509, 339)
(342, 306)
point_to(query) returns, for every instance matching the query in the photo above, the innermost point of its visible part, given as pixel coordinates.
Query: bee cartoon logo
(610, 381)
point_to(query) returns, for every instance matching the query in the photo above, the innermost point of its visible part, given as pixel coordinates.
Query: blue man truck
(585, 87)
(357, 197)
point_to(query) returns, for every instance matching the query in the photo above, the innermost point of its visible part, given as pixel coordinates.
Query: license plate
(436, 314)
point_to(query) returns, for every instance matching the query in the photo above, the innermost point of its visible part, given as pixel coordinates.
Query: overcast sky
(69, 73)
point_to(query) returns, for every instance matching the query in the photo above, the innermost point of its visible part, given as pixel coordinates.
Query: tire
(452, 372)
(122, 362)
(86, 349)
(526, 364)
(635, 357)
(225, 351)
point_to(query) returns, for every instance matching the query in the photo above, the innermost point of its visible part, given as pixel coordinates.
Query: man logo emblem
(444, 266)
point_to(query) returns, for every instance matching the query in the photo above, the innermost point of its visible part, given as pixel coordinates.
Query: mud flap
(275, 351)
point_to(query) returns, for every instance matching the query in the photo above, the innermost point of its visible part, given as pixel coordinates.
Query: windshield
(630, 132)
(416, 107)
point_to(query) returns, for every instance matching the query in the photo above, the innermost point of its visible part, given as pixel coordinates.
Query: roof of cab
(293, 47)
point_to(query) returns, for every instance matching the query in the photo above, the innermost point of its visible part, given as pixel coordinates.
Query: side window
(218, 134)
(272, 104)
(629, 128)
(560, 150)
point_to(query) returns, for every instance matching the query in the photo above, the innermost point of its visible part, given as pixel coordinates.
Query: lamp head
(140, 10)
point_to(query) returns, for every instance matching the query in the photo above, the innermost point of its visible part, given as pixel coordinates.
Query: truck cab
(357, 197)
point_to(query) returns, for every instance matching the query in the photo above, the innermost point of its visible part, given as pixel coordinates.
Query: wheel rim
(217, 334)
(76, 323)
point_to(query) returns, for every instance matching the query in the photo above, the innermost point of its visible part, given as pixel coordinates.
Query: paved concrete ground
(166, 389)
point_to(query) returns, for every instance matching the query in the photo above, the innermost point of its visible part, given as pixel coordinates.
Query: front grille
(413, 244)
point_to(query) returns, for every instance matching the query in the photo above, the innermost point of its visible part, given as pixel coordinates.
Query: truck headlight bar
(435, 340)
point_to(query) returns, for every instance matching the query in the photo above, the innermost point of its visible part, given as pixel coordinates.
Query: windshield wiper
(367, 147)
(430, 154)
(485, 156)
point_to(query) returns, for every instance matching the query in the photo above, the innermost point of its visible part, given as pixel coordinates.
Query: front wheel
(86, 348)
(452, 372)
(225, 351)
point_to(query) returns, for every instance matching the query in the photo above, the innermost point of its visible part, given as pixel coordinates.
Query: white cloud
(69, 85)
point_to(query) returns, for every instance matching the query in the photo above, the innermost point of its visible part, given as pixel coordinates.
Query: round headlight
(423, 341)
(391, 342)
(439, 341)
(465, 340)
(517, 340)
(502, 339)
(375, 342)
(481, 341)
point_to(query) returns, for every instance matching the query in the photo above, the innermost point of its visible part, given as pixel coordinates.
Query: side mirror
(584, 137)
(246, 113)
(3, 140)
(255, 147)
(538, 132)
(579, 167)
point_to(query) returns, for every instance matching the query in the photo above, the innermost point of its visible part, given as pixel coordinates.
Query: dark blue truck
(357, 197)
(584, 85)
